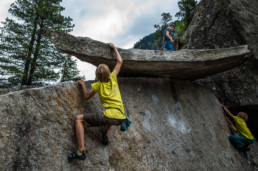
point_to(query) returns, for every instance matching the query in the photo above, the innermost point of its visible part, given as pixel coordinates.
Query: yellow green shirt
(110, 97)
(242, 128)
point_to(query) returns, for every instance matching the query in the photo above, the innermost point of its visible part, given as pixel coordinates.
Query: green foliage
(166, 18)
(25, 54)
(160, 28)
(154, 41)
(146, 43)
(69, 70)
(186, 12)
(180, 30)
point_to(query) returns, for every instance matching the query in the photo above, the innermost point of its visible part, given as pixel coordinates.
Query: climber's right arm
(87, 94)
(227, 111)
(169, 37)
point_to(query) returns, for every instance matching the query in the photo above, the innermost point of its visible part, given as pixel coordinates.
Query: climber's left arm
(227, 111)
(119, 60)
(232, 125)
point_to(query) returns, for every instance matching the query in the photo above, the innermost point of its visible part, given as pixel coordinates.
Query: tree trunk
(64, 70)
(28, 58)
(36, 53)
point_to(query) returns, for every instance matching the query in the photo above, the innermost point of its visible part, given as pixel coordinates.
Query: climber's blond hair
(103, 73)
(243, 115)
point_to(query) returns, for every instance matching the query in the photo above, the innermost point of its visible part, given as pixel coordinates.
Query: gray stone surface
(236, 87)
(183, 64)
(228, 23)
(7, 90)
(223, 24)
(17, 88)
(176, 125)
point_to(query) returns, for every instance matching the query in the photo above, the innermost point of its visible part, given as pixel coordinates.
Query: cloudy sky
(118, 21)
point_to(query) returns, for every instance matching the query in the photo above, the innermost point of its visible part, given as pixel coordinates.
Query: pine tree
(186, 12)
(25, 54)
(160, 28)
(11, 64)
(146, 42)
(154, 40)
(69, 70)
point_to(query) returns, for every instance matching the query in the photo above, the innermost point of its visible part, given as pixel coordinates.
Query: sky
(118, 21)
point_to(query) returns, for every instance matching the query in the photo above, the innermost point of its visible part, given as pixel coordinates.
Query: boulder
(176, 125)
(183, 64)
(220, 24)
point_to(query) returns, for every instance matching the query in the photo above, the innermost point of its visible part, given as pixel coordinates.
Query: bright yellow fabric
(110, 97)
(242, 128)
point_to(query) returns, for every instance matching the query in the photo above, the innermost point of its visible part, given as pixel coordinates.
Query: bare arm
(231, 125)
(119, 59)
(170, 38)
(87, 94)
(227, 111)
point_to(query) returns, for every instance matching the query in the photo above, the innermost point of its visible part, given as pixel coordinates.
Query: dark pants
(168, 45)
(239, 142)
(99, 119)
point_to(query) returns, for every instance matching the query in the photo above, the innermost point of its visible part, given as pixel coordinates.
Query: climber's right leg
(99, 119)
(79, 126)
(237, 141)
(104, 137)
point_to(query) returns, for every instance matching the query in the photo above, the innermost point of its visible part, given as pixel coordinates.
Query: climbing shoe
(104, 138)
(75, 155)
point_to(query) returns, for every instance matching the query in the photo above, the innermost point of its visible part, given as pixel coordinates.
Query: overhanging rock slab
(183, 64)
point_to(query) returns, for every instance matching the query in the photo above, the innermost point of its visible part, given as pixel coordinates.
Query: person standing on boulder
(167, 37)
(110, 97)
(245, 138)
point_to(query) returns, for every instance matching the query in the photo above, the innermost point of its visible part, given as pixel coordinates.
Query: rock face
(183, 64)
(176, 125)
(236, 87)
(224, 24)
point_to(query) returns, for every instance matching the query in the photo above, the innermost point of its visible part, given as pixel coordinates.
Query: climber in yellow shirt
(245, 138)
(110, 97)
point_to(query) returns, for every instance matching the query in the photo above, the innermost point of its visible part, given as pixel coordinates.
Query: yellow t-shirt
(110, 97)
(242, 128)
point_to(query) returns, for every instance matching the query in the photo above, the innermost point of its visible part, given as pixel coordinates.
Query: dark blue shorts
(168, 45)
(239, 141)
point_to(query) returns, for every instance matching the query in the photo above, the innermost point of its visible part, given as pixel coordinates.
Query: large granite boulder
(176, 125)
(183, 64)
(220, 24)
(228, 23)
